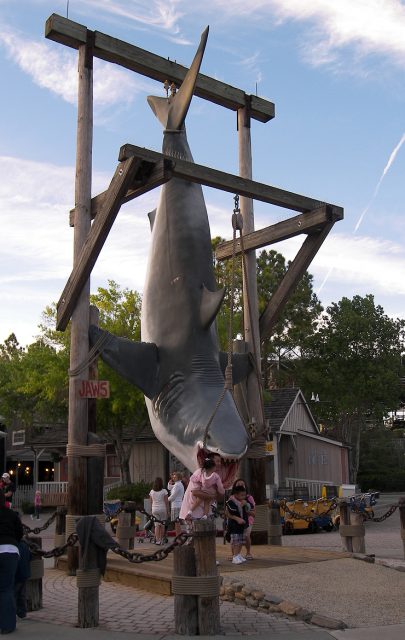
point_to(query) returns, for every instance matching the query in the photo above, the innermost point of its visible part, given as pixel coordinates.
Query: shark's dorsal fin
(171, 112)
(210, 304)
(241, 365)
(135, 361)
(152, 216)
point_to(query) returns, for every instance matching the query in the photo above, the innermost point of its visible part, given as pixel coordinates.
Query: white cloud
(37, 248)
(371, 26)
(55, 69)
(371, 264)
(161, 14)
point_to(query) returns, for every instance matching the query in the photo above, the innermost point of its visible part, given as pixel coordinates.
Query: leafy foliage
(353, 362)
(382, 460)
(297, 321)
(135, 492)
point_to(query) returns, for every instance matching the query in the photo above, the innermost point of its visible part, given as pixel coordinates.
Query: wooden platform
(156, 576)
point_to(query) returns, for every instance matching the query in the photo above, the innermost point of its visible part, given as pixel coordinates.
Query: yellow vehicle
(316, 515)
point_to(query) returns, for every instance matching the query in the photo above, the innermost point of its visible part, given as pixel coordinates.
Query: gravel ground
(358, 593)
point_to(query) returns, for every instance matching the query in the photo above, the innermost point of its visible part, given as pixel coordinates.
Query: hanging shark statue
(178, 365)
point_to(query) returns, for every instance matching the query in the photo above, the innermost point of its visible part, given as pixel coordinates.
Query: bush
(135, 492)
(390, 481)
(27, 507)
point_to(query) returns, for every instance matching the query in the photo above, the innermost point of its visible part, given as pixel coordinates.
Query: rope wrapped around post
(196, 585)
(86, 450)
(88, 577)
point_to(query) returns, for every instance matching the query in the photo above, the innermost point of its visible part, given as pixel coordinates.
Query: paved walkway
(127, 609)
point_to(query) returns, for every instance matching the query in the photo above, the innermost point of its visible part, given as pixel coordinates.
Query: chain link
(301, 516)
(53, 553)
(161, 554)
(386, 515)
(37, 530)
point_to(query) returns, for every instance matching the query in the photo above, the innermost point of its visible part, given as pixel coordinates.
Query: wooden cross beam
(156, 168)
(148, 64)
(141, 170)
(229, 182)
(305, 223)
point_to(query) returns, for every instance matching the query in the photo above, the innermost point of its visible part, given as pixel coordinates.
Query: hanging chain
(228, 383)
(37, 530)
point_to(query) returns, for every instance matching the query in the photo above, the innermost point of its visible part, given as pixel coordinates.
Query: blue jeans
(8, 567)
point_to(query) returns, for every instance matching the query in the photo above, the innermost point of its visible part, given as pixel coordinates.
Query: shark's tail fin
(171, 112)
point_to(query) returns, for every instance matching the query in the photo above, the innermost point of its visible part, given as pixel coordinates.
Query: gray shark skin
(178, 365)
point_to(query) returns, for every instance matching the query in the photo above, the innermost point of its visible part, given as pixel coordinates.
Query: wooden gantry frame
(140, 170)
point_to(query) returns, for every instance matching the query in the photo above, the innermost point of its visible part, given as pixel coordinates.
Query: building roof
(280, 404)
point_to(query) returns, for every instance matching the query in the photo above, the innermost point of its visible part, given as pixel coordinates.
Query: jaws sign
(93, 388)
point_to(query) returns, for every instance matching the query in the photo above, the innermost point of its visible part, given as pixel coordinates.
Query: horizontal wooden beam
(290, 280)
(148, 177)
(231, 183)
(73, 34)
(304, 223)
(123, 177)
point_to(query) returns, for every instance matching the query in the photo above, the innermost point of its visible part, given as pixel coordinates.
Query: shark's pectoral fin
(241, 365)
(210, 304)
(135, 361)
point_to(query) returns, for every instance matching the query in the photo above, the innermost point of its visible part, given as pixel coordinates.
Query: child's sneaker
(237, 560)
(241, 558)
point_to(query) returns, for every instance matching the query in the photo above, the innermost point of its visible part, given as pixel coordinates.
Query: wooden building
(301, 456)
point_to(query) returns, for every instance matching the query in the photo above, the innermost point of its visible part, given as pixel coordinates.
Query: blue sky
(335, 71)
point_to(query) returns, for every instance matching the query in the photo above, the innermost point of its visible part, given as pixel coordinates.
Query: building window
(19, 437)
(113, 467)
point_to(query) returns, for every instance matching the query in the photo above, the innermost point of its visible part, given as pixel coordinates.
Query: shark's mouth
(228, 470)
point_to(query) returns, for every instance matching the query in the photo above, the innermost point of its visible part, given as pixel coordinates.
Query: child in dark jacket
(237, 509)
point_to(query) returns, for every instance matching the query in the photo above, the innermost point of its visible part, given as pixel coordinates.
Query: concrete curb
(250, 596)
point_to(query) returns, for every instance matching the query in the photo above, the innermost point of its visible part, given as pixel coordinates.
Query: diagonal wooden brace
(123, 178)
(290, 280)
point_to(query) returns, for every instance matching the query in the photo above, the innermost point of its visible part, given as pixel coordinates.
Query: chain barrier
(372, 518)
(302, 516)
(37, 530)
(53, 553)
(161, 554)
(131, 556)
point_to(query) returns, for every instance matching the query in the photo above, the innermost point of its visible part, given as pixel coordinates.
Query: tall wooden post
(185, 605)
(78, 418)
(401, 505)
(205, 558)
(344, 510)
(251, 306)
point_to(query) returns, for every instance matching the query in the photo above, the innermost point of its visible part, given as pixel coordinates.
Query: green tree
(123, 415)
(30, 390)
(382, 459)
(34, 381)
(297, 320)
(353, 363)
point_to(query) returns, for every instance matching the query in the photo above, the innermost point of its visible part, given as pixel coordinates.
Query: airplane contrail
(387, 167)
(384, 173)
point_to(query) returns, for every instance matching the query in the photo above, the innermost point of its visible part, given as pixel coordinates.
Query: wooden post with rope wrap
(257, 480)
(78, 416)
(401, 507)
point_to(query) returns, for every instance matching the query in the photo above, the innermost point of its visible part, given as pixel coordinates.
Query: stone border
(390, 563)
(238, 592)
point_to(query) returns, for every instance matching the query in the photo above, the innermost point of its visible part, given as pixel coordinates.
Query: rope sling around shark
(178, 365)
